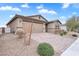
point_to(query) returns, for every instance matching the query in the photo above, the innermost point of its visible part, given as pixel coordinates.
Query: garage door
(27, 27)
(36, 28)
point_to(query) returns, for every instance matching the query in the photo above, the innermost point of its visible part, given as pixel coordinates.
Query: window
(57, 26)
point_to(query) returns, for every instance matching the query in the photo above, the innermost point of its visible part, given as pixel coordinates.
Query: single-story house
(64, 27)
(38, 23)
(54, 26)
(2, 30)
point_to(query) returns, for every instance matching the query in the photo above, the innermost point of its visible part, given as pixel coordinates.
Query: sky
(50, 11)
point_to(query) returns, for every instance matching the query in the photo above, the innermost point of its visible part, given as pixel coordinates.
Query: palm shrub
(45, 49)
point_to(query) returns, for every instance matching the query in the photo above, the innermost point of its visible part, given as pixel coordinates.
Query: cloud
(43, 10)
(52, 12)
(2, 25)
(46, 11)
(62, 17)
(40, 7)
(25, 6)
(11, 16)
(9, 8)
(74, 13)
(66, 5)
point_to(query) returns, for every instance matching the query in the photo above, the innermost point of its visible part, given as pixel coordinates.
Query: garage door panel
(27, 27)
(37, 27)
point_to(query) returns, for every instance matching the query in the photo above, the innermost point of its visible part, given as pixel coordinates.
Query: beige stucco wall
(38, 18)
(0, 30)
(16, 23)
(36, 27)
(52, 27)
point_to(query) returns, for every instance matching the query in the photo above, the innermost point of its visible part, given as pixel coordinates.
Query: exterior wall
(44, 27)
(7, 30)
(53, 27)
(36, 28)
(63, 27)
(0, 30)
(16, 23)
(37, 17)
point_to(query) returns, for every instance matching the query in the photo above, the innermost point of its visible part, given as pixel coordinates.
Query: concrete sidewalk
(73, 50)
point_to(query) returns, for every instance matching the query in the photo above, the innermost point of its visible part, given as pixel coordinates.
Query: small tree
(72, 23)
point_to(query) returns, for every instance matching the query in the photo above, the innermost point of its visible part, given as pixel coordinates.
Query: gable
(38, 17)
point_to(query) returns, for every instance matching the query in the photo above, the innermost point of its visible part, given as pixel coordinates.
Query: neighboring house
(38, 23)
(54, 26)
(64, 27)
(2, 30)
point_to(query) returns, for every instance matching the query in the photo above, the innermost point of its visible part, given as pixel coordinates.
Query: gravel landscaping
(10, 45)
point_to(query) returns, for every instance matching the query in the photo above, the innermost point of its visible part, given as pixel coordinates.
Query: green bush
(45, 49)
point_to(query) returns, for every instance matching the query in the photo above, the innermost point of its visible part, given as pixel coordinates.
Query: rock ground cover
(10, 45)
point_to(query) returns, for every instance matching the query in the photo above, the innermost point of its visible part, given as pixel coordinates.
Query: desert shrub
(45, 49)
(63, 33)
(20, 33)
(74, 35)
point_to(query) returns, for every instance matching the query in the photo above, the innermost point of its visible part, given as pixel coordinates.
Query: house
(53, 26)
(64, 27)
(2, 30)
(37, 22)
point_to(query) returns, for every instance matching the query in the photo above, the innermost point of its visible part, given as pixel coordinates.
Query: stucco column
(44, 29)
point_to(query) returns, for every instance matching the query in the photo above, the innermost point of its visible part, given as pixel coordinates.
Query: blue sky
(51, 11)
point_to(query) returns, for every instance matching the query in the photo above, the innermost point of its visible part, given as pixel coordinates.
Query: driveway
(73, 50)
(60, 43)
